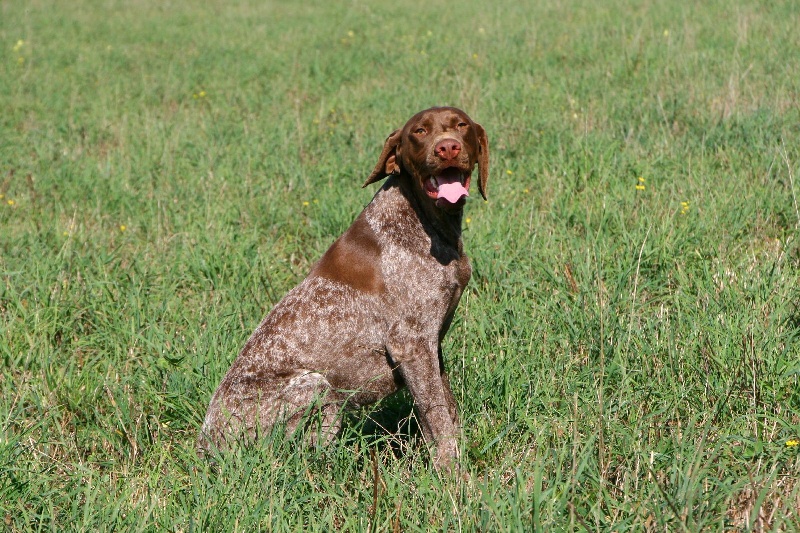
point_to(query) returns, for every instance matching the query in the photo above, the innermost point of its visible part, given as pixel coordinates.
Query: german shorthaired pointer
(371, 315)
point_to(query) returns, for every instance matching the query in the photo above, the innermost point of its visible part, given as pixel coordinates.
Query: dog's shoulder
(354, 259)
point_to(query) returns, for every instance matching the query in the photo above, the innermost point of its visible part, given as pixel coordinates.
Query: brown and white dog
(371, 315)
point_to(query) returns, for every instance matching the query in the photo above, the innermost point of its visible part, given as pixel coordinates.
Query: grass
(624, 358)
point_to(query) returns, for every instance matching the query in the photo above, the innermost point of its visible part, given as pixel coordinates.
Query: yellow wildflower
(11, 202)
(509, 172)
(793, 442)
(640, 185)
(123, 227)
(306, 204)
(684, 208)
(468, 220)
(20, 44)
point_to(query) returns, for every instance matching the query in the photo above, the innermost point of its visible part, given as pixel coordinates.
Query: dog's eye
(462, 125)
(420, 131)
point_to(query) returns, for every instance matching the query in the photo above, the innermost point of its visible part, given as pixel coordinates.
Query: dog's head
(437, 148)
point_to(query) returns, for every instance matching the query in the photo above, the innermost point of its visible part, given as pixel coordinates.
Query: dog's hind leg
(309, 400)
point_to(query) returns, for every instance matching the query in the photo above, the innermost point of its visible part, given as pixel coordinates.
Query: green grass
(621, 360)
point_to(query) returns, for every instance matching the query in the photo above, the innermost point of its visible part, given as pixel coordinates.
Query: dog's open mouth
(449, 188)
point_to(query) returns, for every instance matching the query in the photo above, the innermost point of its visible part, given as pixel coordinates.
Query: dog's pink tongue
(451, 190)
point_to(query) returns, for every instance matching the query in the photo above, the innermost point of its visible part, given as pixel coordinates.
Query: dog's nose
(447, 149)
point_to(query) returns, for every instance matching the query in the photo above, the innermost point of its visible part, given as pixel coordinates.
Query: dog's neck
(441, 225)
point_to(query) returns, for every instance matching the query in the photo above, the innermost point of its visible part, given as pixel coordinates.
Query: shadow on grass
(391, 424)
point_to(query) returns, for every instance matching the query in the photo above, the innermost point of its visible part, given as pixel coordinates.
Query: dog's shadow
(391, 424)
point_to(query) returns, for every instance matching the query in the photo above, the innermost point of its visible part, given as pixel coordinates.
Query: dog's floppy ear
(483, 160)
(387, 162)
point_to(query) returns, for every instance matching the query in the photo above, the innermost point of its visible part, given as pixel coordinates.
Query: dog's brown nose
(447, 149)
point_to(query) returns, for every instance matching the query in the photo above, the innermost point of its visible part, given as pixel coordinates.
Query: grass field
(626, 356)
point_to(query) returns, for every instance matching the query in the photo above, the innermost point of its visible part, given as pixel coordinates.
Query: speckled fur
(371, 315)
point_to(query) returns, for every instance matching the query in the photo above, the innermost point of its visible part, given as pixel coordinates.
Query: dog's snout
(447, 149)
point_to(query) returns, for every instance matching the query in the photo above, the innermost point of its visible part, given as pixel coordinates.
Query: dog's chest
(418, 283)
(422, 271)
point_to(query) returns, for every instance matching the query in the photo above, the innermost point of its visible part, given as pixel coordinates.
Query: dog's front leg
(448, 392)
(417, 358)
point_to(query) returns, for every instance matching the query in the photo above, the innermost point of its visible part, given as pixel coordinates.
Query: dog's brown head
(438, 149)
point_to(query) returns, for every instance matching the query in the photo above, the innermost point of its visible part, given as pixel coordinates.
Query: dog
(371, 316)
